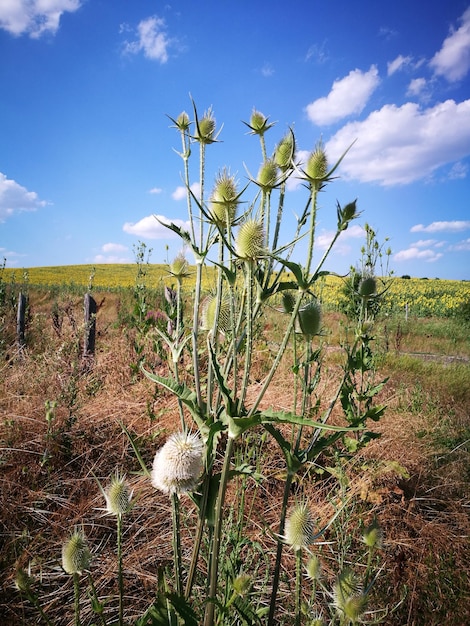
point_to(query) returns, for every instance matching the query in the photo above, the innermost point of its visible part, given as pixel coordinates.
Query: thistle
(179, 267)
(205, 128)
(310, 319)
(313, 568)
(299, 527)
(268, 175)
(209, 312)
(178, 465)
(367, 287)
(349, 599)
(316, 168)
(258, 123)
(285, 152)
(251, 240)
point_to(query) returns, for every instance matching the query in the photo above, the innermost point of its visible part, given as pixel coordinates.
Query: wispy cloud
(461, 246)
(14, 198)
(439, 227)
(180, 192)
(417, 253)
(267, 70)
(113, 253)
(398, 64)
(452, 61)
(33, 17)
(151, 39)
(416, 87)
(348, 95)
(402, 144)
(342, 248)
(153, 227)
(155, 190)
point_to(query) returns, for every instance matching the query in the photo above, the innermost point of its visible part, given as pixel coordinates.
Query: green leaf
(286, 417)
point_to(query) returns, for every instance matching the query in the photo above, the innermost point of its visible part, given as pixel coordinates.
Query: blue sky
(86, 148)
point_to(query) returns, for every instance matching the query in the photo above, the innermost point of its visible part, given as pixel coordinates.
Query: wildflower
(251, 240)
(178, 465)
(118, 495)
(76, 556)
(299, 527)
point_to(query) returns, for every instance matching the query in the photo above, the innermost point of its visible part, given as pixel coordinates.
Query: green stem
(313, 218)
(199, 533)
(298, 586)
(120, 573)
(249, 331)
(177, 542)
(214, 557)
(76, 591)
(35, 602)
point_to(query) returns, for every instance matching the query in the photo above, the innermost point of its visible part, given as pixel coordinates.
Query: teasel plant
(241, 238)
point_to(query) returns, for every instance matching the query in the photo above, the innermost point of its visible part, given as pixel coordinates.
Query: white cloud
(461, 246)
(152, 40)
(180, 192)
(14, 198)
(267, 70)
(398, 145)
(155, 190)
(151, 227)
(348, 95)
(453, 60)
(34, 17)
(454, 226)
(398, 64)
(114, 247)
(416, 87)
(324, 239)
(112, 253)
(415, 253)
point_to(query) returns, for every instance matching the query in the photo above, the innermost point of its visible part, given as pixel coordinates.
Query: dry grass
(415, 479)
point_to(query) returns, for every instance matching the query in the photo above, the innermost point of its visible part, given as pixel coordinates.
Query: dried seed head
(118, 495)
(268, 175)
(299, 527)
(76, 556)
(224, 199)
(285, 152)
(310, 318)
(367, 287)
(208, 314)
(251, 240)
(316, 168)
(178, 465)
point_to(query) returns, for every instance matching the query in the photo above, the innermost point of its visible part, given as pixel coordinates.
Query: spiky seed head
(251, 240)
(313, 568)
(367, 287)
(372, 535)
(118, 495)
(179, 266)
(208, 314)
(316, 168)
(182, 121)
(288, 301)
(285, 152)
(299, 527)
(76, 556)
(23, 580)
(242, 584)
(349, 599)
(205, 129)
(310, 319)
(178, 465)
(258, 122)
(224, 199)
(268, 175)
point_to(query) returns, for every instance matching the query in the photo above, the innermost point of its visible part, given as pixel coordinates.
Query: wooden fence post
(90, 326)
(20, 321)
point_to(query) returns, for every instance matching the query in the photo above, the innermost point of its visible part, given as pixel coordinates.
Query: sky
(88, 156)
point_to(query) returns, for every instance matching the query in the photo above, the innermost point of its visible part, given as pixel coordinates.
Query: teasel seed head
(205, 128)
(299, 527)
(372, 535)
(288, 301)
(224, 199)
(242, 585)
(349, 599)
(179, 266)
(310, 319)
(182, 122)
(313, 568)
(209, 311)
(285, 152)
(367, 287)
(268, 175)
(251, 240)
(118, 496)
(316, 168)
(178, 465)
(259, 123)
(76, 556)
(23, 580)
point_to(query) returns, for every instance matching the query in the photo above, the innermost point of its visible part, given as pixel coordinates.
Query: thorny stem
(120, 573)
(76, 590)
(298, 585)
(177, 542)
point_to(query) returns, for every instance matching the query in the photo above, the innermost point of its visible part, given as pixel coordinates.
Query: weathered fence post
(90, 326)
(20, 321)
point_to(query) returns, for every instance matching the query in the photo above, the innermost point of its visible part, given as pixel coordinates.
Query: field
(63, 429)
